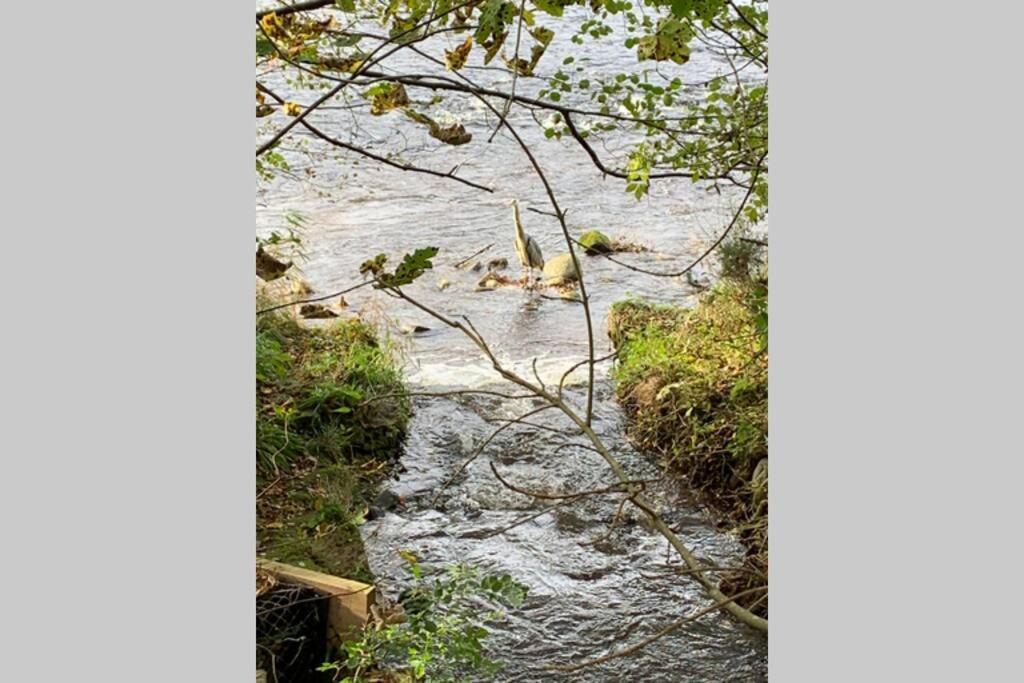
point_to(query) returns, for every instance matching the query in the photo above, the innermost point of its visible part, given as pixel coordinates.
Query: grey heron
(527, 248)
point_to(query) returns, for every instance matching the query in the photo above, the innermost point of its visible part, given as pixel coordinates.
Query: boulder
(560, 270)
(595, 242)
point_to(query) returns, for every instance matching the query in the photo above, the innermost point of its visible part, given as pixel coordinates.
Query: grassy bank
(321, 448)
(694, 383)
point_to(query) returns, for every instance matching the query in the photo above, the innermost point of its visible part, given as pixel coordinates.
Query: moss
(694, 383)
(595, 242)
(330, 419)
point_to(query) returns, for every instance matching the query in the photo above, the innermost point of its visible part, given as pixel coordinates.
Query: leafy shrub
(442, 633)
(319, 385)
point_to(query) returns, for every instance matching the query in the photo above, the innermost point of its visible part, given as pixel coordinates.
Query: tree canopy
(367, 56)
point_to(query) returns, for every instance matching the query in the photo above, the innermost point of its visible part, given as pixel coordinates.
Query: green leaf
(263, 46)
(553, 7)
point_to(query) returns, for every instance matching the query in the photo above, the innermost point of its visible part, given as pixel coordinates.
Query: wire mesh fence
(291, 633)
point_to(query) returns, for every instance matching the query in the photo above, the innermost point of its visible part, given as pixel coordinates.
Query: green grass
(330, 418)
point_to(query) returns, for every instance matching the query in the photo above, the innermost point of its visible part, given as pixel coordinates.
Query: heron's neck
(517, 222)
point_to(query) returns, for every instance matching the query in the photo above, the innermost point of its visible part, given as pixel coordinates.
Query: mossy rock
(560, 270)
(595, 242)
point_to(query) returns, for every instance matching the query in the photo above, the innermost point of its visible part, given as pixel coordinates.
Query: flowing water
(584, 600)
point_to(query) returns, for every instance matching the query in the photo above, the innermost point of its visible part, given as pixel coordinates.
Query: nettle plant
(440, 637)
(710, 129)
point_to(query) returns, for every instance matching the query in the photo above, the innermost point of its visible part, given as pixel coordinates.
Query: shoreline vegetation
(694, 384)
(322, 451)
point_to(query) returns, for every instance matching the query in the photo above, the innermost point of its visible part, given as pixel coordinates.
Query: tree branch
(402, 166)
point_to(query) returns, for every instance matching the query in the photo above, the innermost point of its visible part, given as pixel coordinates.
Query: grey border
(128, 346)
(895, 358)
(127, 505)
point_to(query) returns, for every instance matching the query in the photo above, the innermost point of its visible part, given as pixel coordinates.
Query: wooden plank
(348, 608)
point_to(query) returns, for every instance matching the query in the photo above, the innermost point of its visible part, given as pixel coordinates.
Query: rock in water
(316, 311)
(559, 270)
(269, 268)
(595, 242)
(497, 264)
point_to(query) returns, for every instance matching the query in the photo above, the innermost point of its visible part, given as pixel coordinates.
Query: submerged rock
(595, 242)
(497, 264)
(560, 270)
(386, 501)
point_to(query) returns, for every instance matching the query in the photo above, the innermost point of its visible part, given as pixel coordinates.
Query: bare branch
(315, 299)
(402, 166)
(292, 9)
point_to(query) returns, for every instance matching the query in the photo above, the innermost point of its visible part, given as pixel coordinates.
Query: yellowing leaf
(292, 109)
(518, 64)
(492, 46)
(272, 25)
(455, 134)
(669, 43)
(387, 96)
(346, 64)
(456, 59)
(409, 556)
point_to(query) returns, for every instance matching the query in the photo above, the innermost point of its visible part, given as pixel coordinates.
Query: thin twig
(473, 255)
(402, 166)
(315, 299)
(515, 74)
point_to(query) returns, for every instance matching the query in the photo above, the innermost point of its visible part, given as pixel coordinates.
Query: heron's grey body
(527, 248)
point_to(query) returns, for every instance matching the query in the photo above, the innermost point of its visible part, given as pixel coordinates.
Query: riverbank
(694, 384)
(321, 448)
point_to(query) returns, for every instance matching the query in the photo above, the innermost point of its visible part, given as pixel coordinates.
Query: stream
(582, 598)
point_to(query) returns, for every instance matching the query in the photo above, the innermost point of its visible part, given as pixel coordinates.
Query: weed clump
(330, 416)
(694, 383)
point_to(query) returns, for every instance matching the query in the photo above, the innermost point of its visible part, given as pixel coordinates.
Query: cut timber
(348, 606)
